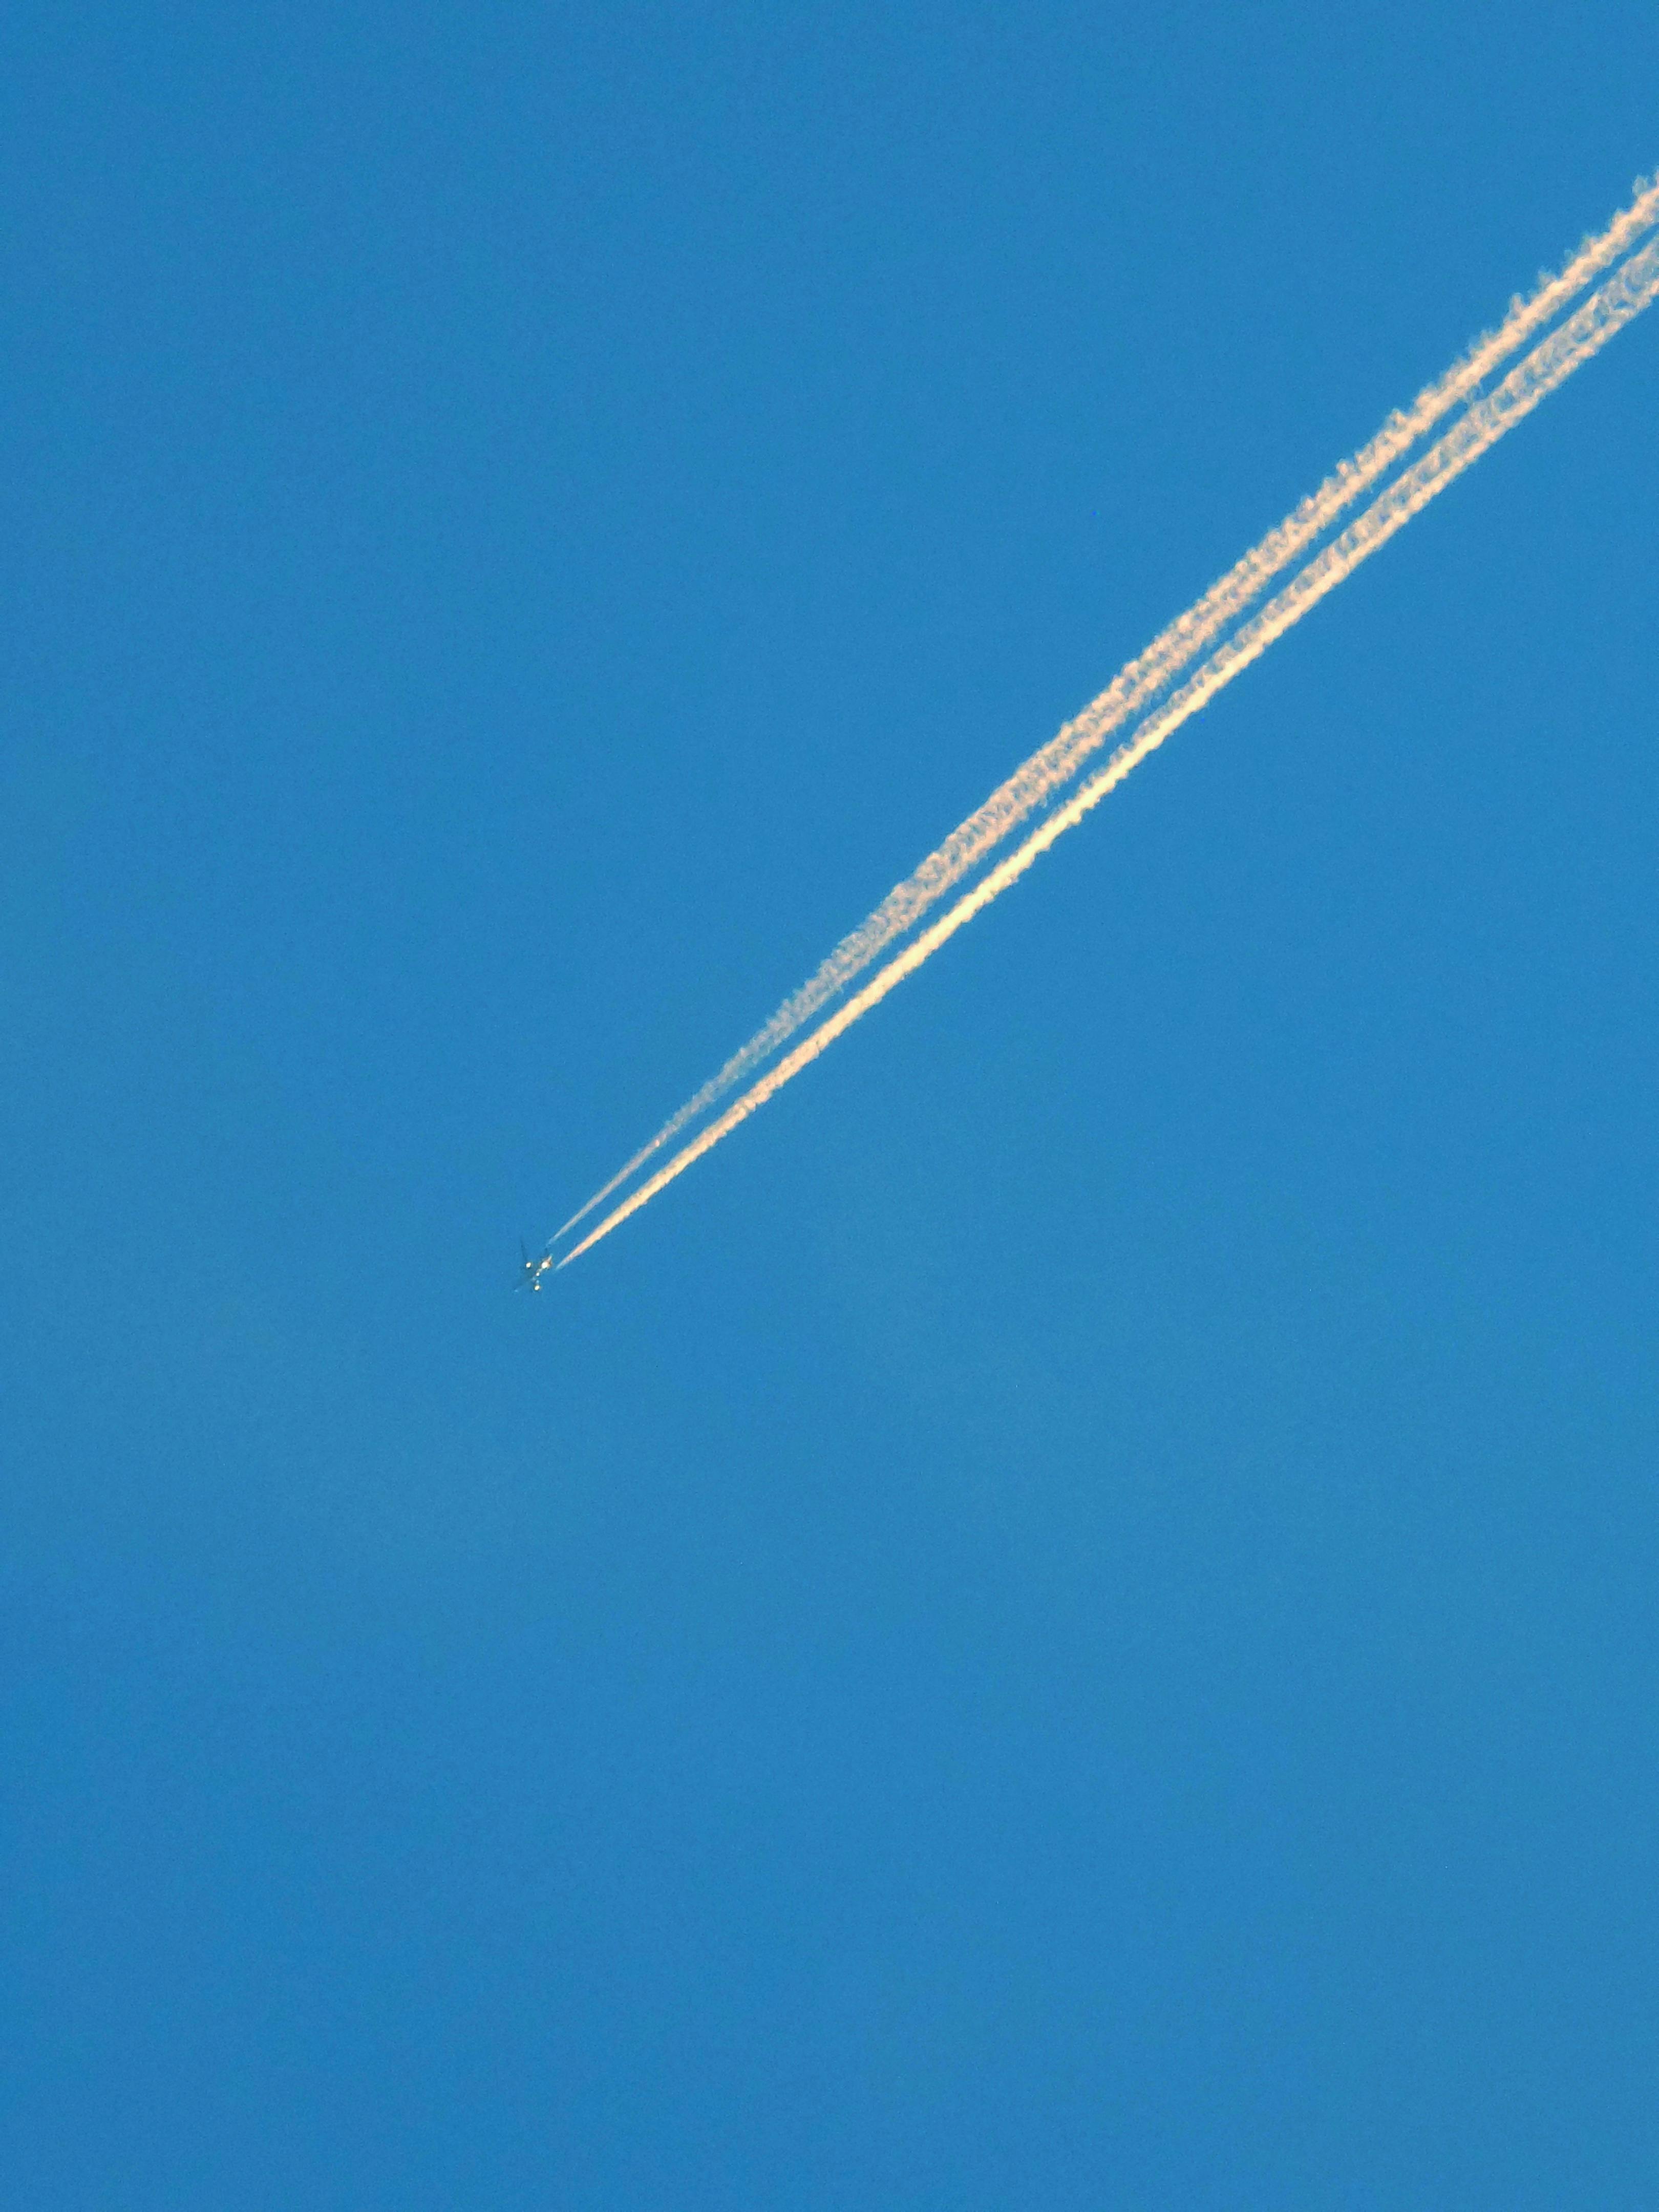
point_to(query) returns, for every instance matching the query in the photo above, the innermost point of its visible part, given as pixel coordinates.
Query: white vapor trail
(1549, 363)
(1144, 679)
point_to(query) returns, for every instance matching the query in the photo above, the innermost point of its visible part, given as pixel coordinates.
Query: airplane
(530, 1278)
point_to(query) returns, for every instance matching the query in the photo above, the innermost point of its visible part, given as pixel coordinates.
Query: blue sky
(1068, 1620)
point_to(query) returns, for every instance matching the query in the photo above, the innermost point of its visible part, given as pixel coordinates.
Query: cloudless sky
(1070, 1620)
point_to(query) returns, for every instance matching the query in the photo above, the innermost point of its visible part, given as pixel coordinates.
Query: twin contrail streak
(1141, 681)
(1148, 679)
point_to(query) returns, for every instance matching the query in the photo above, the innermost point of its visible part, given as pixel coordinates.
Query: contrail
(1548, 365)
(1142, 680)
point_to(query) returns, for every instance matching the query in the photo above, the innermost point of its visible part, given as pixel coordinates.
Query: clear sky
(1069, 1619)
